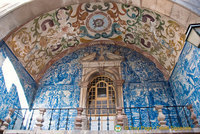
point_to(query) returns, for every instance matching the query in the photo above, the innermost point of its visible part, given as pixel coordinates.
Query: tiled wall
(144, 83)
(11, 97)
(144, 86)
(186, 78)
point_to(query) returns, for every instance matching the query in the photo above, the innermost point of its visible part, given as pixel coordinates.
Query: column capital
(119, 82)
(83, 84)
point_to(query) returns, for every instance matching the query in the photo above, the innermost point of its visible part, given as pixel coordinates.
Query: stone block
(180, 14)
(136, 3)
(22, 15)
(193, 18)
(150, 4)
(164, 7)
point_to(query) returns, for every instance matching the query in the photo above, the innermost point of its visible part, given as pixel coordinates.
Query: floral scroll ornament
(38, 42)
(63, 36)
(66, 30)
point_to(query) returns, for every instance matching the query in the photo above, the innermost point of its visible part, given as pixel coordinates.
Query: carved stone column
(7, 119)
(78, 119)
(120, 100)
(40, 119)
(125, 121)
(82, 103)
(83, 94)
(119, 117)
(193, 116)
(161, 117)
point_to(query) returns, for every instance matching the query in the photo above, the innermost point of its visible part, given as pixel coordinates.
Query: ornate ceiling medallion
(98, 22)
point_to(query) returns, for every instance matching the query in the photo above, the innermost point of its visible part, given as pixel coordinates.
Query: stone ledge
(155, 131)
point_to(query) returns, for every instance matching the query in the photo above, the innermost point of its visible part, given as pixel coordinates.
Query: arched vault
(47, 38)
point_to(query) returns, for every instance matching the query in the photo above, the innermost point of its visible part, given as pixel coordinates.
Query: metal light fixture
(193, 34)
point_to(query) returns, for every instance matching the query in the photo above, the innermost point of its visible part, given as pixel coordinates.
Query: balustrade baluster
(161, 117)
(78, 119)
(120, 117)
(40, 119)
(193, 116)
(7, 119)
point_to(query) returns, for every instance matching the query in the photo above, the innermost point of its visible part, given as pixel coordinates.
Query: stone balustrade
(7, 119)
(78, 119)
(40, 119)
(193, 116)
(79, 124)
(161, 117)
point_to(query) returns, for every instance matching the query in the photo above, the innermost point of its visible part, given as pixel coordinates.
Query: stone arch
(38, 53)
(97, 72)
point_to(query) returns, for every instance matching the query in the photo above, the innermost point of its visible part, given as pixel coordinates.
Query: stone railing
(78, 119)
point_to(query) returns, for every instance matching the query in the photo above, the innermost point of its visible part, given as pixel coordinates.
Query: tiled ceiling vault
(47, 38)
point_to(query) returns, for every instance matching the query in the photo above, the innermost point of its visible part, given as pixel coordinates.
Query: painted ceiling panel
(47, 38)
